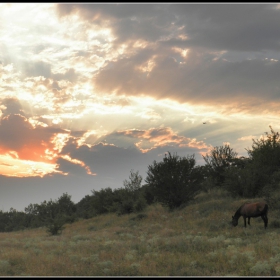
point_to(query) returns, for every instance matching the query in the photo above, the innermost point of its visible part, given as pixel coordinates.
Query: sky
(91, 92)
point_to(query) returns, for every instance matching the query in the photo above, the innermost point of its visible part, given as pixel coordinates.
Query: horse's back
(254, 209)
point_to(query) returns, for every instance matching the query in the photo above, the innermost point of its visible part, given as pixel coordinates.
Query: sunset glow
(91, 91)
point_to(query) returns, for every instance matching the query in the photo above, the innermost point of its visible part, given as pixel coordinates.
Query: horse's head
(234, 221)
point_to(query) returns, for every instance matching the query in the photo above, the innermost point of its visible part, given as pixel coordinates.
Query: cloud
(36, 69)
(230, 27)
(104, 160)
(69, 75)
(27, 142)
(128, 22)
(198, 81)
(10, 106)
(161, 137)
(218, 26)
(188, 52)
(72, 166)
(246, 138)
(107, 161)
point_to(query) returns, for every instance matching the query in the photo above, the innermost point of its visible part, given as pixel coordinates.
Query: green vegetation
(174, 181)
(177, 224)
(197, 240)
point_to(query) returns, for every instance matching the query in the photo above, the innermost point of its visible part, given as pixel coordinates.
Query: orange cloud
(14, 167)
(78, 162)
(20, 139)
(159, 137)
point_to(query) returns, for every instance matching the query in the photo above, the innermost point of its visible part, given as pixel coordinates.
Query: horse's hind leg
(249, 221)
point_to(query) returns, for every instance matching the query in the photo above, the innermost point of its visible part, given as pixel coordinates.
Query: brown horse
(251, 210)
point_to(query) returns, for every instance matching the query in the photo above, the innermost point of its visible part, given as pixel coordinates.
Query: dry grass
(195, 241)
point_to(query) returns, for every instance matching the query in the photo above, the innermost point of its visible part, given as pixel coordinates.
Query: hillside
(197, 240)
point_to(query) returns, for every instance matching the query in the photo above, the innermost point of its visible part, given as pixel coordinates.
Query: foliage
(56, 225)
(125, 200)
(218, 160)
(131, 199)
(266, 150)
(257, 174)
(265, 158)
(175, 180)
(240, 179)
(102, 200)
(85, 207)
(271, 191)
(147, 193)
(133, 185)
(51, 214)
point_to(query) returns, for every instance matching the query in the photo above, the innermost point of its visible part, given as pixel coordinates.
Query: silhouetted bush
(175, 180)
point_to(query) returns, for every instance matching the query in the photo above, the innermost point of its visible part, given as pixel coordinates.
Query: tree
(66, 207)
(265, 152)
(148, 194)
(255, 175)
(175, 180)
(265, 159)
(56, 225)
(85, 207)
(52, 214)
(102, 200)
(218, 160)
(131, 197)
(134, 184)
(240, 178)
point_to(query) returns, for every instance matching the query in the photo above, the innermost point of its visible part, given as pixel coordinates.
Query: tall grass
(197, 240)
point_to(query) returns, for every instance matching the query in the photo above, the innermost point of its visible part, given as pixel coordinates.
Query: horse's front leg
(265, 219)
(244, 221)
(249, 221)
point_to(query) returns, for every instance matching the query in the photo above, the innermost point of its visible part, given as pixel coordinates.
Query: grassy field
(197, 240)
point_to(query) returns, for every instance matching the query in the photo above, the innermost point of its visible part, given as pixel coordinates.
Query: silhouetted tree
(131, 197)
(175, 180)
(264, 159)
(218, 160)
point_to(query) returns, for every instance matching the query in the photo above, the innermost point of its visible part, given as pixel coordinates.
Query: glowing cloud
(154, 138)
(15, 167)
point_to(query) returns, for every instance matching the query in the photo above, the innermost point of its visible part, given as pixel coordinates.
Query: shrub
(140, 204)
(125, 207)
(56, 225)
